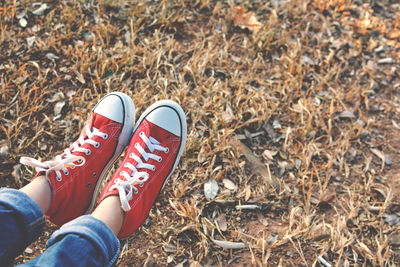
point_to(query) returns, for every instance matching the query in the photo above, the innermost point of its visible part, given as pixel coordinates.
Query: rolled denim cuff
(94, 230)
(28, 212)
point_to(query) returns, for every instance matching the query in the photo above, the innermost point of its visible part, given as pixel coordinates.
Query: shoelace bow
(68, 160)
(127, 187)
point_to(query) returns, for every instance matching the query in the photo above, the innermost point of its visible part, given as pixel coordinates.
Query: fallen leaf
(51, 56)
(308, 60)
(58, 107)
(395, 125)
(247, 20)
(228, 244)
(30, 41)
(80, 77)
(257, 167)
(40, 10)
(221, 221)
(229, 184)
(56, 97)
(347, 114)
(261, 218)
(268, 154)
(3, 152)
(211, 189)
(227, 117)
(380, 155)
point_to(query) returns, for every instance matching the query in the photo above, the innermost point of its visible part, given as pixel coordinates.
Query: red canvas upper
(143, 201)
(71, 196)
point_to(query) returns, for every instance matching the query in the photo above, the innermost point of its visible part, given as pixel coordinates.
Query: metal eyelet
(94, 174)
(166, 151)
(137, 145)
(154, 168)
(105, 136)
(126, 164)
(80, 160)
(121, 173)
(131, 155)
(66, 173)
(73, 167)
(59, 179)
(97, 145)
(141, 184)
(135, 190)
(141, 133)
(159, 159)
(88, 152)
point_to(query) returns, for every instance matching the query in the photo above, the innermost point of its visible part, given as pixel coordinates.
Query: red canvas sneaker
(150, 159)
(75, 175)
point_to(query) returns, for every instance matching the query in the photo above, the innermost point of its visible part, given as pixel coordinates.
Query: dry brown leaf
(261, 218)
(380, 155)
(228, 244)
(268, 154)
(247, 20)
(257, 167)
(221, 221)
(229, 184)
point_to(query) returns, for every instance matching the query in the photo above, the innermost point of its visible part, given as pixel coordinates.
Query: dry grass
(312, 98)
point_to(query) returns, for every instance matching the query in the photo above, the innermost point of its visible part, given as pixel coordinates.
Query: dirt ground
(293, 110)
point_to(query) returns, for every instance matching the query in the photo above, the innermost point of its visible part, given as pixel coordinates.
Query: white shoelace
(126, 188)
(62, 163)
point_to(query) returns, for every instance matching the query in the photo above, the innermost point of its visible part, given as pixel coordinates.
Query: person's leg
(89, 240)
(65, 187)
(39, 191)
(109, 211)
(74, 176)
(21, 222)
(22, 216)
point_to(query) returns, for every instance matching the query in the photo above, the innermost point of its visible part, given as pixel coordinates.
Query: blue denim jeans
(85, 241)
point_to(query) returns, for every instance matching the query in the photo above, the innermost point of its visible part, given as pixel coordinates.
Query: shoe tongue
(159, 133)
(97, 121)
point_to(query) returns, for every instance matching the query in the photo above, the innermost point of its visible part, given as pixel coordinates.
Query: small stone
(22, 22)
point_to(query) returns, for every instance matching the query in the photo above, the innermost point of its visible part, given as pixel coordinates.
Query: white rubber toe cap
(167, 118)
(111, 107)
